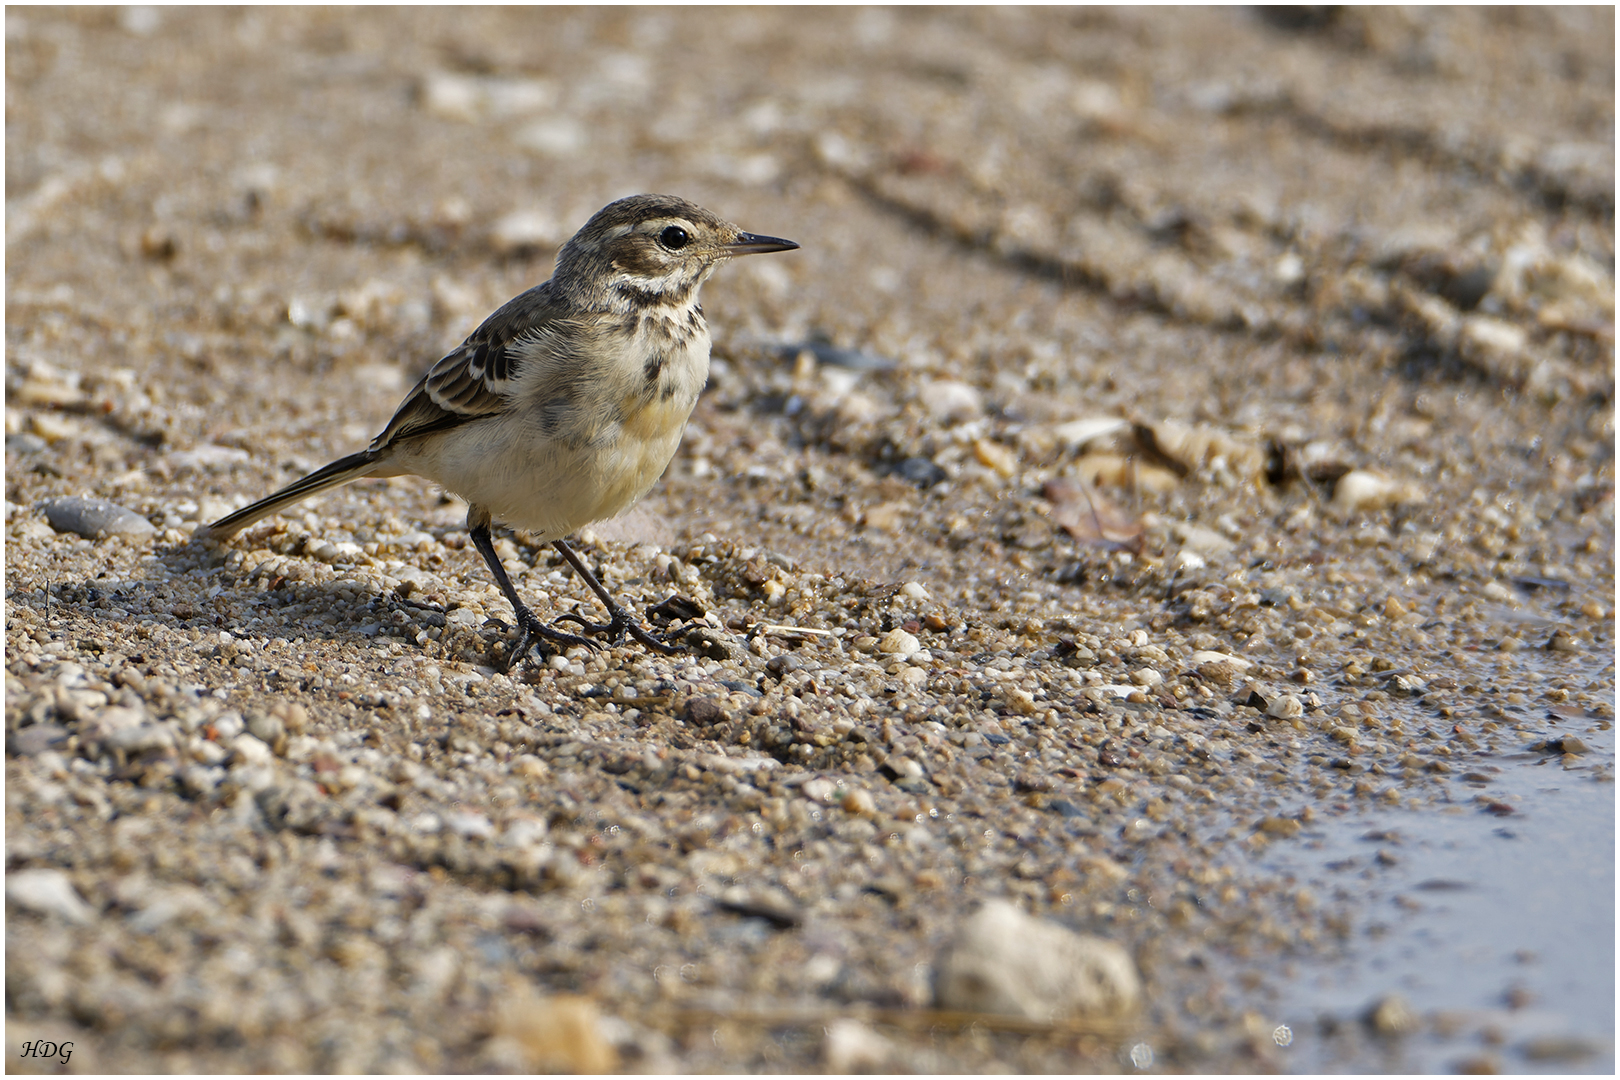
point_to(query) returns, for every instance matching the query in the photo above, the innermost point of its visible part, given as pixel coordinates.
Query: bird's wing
(477, 378)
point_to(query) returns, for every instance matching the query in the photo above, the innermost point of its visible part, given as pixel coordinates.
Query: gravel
(1151, 458)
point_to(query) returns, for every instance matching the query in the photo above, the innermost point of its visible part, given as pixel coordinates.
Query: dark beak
(749, 244)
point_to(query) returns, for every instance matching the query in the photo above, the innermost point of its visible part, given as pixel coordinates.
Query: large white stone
(1005, 962)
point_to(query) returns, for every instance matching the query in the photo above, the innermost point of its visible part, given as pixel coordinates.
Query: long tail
(339, 472)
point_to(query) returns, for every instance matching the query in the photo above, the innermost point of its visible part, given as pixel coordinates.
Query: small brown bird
(567, 404)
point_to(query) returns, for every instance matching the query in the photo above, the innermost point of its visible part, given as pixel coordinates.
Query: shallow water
(1498, 930)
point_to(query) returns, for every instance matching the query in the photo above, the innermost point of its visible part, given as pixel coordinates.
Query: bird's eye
(673, 238)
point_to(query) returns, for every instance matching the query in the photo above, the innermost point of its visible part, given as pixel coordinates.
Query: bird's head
(651, 250)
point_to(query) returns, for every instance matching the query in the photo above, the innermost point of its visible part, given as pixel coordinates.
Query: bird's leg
(531, 631)
(620, 621)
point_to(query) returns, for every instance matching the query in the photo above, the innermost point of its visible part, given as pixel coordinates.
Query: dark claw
(676, 608)
(652, 641)
(616, 630)
(620, 624)
(534, 634)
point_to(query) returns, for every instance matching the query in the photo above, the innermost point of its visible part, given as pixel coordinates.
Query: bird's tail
(339, 472)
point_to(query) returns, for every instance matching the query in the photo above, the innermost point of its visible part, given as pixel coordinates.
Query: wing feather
(478, 377)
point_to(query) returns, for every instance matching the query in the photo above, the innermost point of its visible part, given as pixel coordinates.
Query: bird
(566, 405)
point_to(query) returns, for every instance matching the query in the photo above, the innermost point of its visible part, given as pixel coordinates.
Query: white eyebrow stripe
(658, 225)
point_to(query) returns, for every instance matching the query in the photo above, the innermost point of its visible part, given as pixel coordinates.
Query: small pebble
(898, 643)
(1021, 701)
(251, 750)
(820, 789)
(199, 780)
(849, 1046)
(949, 401)
(1564, 642)
(467, 824)
(526, 230)
(1478, 1065)
(783, 664)
(859, 801)
(903, 768)
(95, 518)
(562, 1033)
(995, 457)
(48, 892)
(1391, 1017)
(36, 739)
(1209, 656)
(704, 711)
(1359, 490)
(921, 471)
(267, 727)
(1559, 1048)
(1285, 707)
(1200, 541)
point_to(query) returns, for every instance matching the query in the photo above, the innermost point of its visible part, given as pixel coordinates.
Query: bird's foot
(620, 622)
(533, 634)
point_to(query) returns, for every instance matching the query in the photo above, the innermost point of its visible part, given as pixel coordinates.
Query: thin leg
(530, 629)
(620, 621)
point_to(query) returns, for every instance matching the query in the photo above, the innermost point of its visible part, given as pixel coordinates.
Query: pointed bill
(750, 244)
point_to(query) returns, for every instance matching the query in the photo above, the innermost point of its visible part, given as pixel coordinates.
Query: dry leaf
(1091, 519)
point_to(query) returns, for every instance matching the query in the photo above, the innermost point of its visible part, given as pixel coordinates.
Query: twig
(792, 631)
(911, 1019)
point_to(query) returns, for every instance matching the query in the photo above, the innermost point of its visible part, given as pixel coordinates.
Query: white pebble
(1005, 962)
(820, 789)
(1286, 707)
(1360, 489)
(850, 1046)
(1020, 700)
(467, 824)
(949, 401)
(556, 136)
(523, 229)
(48, 892)
(251, 750)
(228, 725)
(898, 643)
(1210, 656)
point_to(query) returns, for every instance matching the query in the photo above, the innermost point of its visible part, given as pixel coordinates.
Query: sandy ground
(1178, 429)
